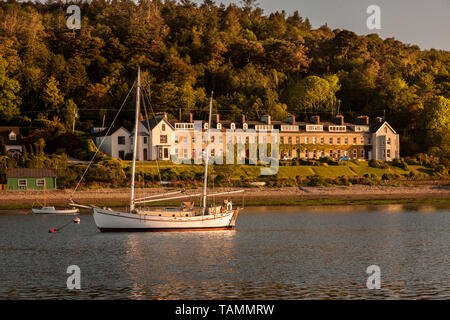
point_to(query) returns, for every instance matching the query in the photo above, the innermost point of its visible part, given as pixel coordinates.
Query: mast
(205, 182)
(45, 202)
(135, 143)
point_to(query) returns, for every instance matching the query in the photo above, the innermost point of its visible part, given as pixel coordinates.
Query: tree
(2, 147)
(70, 114)
(9, 100)
(437, 114)
(52, 96)
(311, 94)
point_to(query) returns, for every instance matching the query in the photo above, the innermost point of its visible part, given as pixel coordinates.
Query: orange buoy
(76, 220)
(52, 230)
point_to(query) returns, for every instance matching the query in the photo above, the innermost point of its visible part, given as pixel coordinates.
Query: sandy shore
(272, 195)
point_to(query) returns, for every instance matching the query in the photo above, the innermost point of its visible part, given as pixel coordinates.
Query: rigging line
(101, 143)
(148, 96)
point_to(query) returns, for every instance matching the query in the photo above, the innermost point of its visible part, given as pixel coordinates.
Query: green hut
(30, 179)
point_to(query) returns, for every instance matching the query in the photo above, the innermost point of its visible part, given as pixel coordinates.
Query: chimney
(315, 119)
(265, 119)
(188, 117)
(161, 115)
(339, 120)
(290, 119)
(215, 118)
(379, 120)
(362, 120)
(240, 118)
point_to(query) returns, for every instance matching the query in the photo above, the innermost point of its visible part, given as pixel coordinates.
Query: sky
(425, 23)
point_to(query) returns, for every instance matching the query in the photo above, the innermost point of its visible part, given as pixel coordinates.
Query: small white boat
(52, 210)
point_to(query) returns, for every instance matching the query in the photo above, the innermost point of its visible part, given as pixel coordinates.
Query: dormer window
(163, 127)
(232, 126)
(245, 126)
(219, 126)
(12, 136)
(205, 126)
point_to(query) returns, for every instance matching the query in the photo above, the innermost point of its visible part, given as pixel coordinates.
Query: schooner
(183, 218)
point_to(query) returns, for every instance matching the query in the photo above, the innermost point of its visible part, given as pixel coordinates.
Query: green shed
(30, 179)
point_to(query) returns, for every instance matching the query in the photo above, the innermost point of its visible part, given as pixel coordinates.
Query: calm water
(275, 253)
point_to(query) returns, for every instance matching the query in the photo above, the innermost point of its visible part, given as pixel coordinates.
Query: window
(339, 153)
(185, 155)
(145, 140)
(163, 127)
(389, 141)
(247, 140)
(331, 140)
(346, 140)
(282, 140)
(307, 153)
(219, 126)
(362, 140)
(322, 154)
(306, 140)
(322, 140)
(185, 139)
(212, 139)
(220, 139)
(40, 182)
(122, 154)
(163, 139)
(160, 153)
(339, 140)
(388, 153)
(245, 126)
(355, 153)
(166, 153)
(176, 152)
(22, 182)
(363, 154)
(297, 140)
(315, 154)
(290, 140)
(314, 140)
(193, 139)
(331, 153)
(355, 140)
(176, 139)
(121, 140)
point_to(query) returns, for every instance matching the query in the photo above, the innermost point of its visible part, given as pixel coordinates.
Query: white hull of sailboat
(110, 220)
(51, 210)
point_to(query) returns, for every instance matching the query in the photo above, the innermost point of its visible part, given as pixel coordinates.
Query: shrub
(378, 164)
(401, 164)
(316, 181)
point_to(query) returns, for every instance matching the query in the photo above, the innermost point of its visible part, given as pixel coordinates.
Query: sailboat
(52, 210)
(183, 218)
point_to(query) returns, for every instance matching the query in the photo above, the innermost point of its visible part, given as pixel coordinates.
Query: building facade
(165, 139)
(12, 139)
(30, 179)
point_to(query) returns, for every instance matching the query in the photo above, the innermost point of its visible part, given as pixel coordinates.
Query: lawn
(349, 169)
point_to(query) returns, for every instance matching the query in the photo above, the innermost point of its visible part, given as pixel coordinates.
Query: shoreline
(336, 195)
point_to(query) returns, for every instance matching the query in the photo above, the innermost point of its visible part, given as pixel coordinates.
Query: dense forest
(255, 63)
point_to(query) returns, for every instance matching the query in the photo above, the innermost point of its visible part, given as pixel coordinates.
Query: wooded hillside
(255, 64)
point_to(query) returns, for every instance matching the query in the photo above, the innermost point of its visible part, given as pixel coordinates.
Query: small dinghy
(52, 210)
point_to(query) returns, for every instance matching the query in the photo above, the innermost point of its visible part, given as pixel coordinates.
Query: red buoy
(52, 230)
(76, 220)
